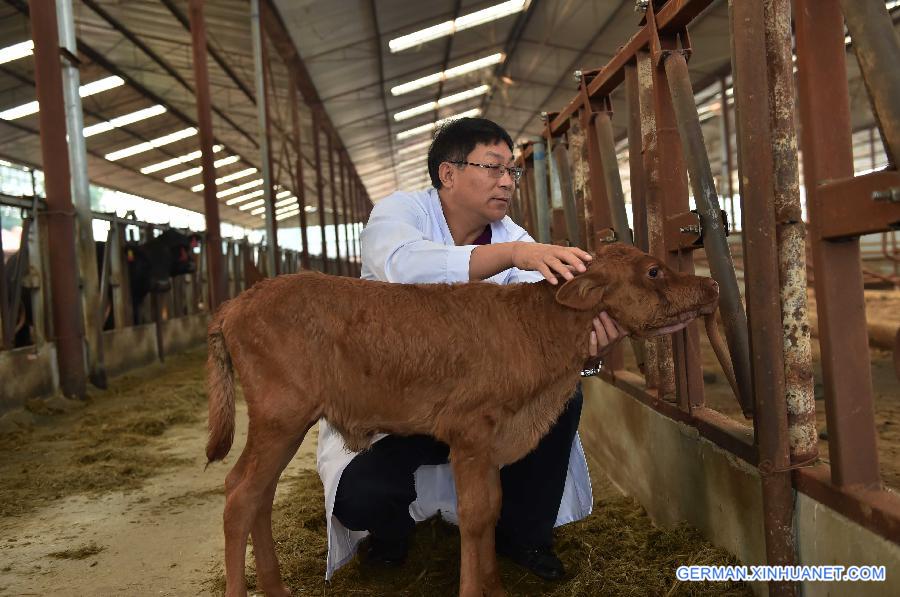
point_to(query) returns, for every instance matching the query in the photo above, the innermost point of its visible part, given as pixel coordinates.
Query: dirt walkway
(162, 535)
(110, 497)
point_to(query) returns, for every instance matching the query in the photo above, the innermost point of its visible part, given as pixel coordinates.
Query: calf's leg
(471, 468)
(267, 570)
(487, 554)
(250, 489)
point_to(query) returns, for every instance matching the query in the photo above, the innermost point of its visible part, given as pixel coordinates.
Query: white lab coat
(407, 240)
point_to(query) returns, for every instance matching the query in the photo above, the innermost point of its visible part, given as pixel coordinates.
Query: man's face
(475, 189)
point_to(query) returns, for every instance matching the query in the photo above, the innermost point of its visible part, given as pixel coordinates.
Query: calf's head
(641, 293)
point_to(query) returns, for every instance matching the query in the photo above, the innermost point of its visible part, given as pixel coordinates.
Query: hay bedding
(615, 551)
(112, 443)
(105, 443)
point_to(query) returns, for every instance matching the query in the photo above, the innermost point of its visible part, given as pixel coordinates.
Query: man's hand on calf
(550, 260)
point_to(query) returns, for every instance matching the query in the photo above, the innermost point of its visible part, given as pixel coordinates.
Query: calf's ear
(582, 292)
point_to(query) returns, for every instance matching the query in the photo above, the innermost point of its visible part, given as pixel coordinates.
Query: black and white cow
(151, 267)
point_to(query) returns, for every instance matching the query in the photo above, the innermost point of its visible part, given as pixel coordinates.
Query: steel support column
(826, 141)
(60, 211)
(606, 147)
(582, 173)
(215, 263)
(329, 143)
(635, 163)
(320, 184)
(541, 198)
(343, 161)
(262, 111)
(567, 194)
(727, 164)
(81, 196)
(757, 170)
(299, 189)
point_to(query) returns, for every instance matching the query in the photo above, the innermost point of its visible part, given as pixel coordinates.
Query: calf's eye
(653, 272)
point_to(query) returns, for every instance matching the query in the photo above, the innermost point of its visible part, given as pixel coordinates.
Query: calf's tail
(220, 387)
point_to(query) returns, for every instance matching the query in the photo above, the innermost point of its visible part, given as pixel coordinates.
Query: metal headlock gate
(770, 344)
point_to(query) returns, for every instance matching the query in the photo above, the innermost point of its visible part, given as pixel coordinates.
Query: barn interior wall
(31, 372)
(26, 373)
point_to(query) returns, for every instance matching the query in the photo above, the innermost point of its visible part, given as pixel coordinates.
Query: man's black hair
(456, 139)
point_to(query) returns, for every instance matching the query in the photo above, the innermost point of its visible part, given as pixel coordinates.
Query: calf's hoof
(276, 591)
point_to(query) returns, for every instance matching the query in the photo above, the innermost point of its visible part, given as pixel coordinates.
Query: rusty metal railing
(664, 145)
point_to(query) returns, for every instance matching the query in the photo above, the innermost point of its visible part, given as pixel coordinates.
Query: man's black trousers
(378, 485)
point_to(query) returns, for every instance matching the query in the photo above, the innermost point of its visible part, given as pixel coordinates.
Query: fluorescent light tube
(100, 85)
(287, 215)
(445, 101)
(480, 17)
(228, 177)
(450, 73)
(251, 205)
(239, 188)
(235, 200)
(152, 144)
(84, 91)
(198, 169)
(16, 51)
(182, 159)
(427, 128)
(118, 121)
(415, 147)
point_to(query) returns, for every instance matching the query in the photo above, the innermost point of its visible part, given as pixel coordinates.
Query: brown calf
(376, 357)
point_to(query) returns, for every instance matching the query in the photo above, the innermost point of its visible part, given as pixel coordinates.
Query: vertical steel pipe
(299, 187)
(615, 196)
(351, 201)
(262, 113)
(790, 237)
(659, 353)
(635, 163)
(6, 311)
(715, 242)
(320, 184)
(757, 170)
(345, 226)
(826, 142)
(727, 165)
(567, 193)
(60, 213)
(581, 175)
(329, 144)
(215, 264)
(81, 196)
(541, 199)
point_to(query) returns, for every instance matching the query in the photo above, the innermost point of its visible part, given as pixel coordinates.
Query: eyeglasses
(496, 170)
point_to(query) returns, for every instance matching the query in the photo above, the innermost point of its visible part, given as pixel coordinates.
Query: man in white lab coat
(458, 231)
